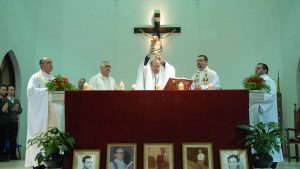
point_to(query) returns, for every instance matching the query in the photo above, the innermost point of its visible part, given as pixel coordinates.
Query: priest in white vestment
(154, 74)
(267, 110)
(103, 80)
(37, 115)
(205, 78)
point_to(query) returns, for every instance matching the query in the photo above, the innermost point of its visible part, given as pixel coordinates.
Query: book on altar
(178, 84)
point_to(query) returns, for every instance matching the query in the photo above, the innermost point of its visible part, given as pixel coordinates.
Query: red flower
(259, 81)
(251, 80)
(58, 84)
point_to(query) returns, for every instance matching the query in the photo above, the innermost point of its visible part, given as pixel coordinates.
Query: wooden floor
(19, 164)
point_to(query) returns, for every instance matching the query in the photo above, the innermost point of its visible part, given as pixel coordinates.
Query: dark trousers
(12, 135)
(3, 137)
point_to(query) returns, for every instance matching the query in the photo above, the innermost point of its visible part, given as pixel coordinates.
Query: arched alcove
(10, 72)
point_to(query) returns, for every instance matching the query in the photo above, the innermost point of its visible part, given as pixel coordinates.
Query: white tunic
(37, 115)
(99, 82)
(267, 111)
(204, 78)
(147, 80)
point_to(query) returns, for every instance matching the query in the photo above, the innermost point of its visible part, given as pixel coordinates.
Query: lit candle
(157, 87)
(133, 86)
(85, 86)
(121, 86)
(180, 86)
(210, 87)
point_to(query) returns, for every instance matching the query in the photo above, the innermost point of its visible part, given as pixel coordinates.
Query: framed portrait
(86, 159)
(197, 155)
(158, 156)
(234, 159)
(121, 155)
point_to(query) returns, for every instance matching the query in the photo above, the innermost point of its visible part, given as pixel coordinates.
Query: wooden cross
(157, 30)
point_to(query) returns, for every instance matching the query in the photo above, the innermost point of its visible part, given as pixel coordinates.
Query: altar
(96, 118)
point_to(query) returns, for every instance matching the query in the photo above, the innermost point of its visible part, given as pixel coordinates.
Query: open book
(173, 84)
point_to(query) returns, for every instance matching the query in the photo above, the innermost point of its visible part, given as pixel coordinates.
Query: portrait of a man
(234, 159)
(121, 156)
(197, 156)
(158, 156)
(86, 159)
(86, 162)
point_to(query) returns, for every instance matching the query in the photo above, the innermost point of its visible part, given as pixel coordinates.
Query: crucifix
(156, 45)
(157, 30)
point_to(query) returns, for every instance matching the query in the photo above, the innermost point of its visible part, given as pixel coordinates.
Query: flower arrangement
(59, 83)
(255, 82)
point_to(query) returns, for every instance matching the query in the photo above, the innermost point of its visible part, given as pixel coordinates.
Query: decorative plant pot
(58, 96)
(54, 161)
(256, 96)
(262, 160)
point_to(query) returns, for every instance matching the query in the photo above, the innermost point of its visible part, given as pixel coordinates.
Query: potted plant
(264, 138)
(53, 144)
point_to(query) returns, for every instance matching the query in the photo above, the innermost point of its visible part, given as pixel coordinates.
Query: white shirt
(204, 78)
(201, 156)
(100, 82)
(11, 99)
(120, 164)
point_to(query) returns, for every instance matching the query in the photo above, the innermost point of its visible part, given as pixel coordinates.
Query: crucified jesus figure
(156, 48)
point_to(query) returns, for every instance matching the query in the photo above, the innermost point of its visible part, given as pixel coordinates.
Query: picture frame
(234, 159)
(120, 155)
(88, 158)
(197, 155)
(158, 155)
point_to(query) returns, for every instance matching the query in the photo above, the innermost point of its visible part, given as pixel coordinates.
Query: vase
(54, 161)
(262, 160)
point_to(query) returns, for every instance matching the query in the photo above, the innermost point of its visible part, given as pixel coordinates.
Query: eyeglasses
(119, 152)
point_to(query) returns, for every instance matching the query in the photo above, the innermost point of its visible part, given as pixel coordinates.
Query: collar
(103, 77)
(204, 70)
(118, 161)
(46, 74)
(263, 76)
(10, 98)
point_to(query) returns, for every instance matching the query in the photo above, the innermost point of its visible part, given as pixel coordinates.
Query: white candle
(121, 86)
(157, 87)
(85, 86)
(133, 86)
(180, 86)
(210, 87)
